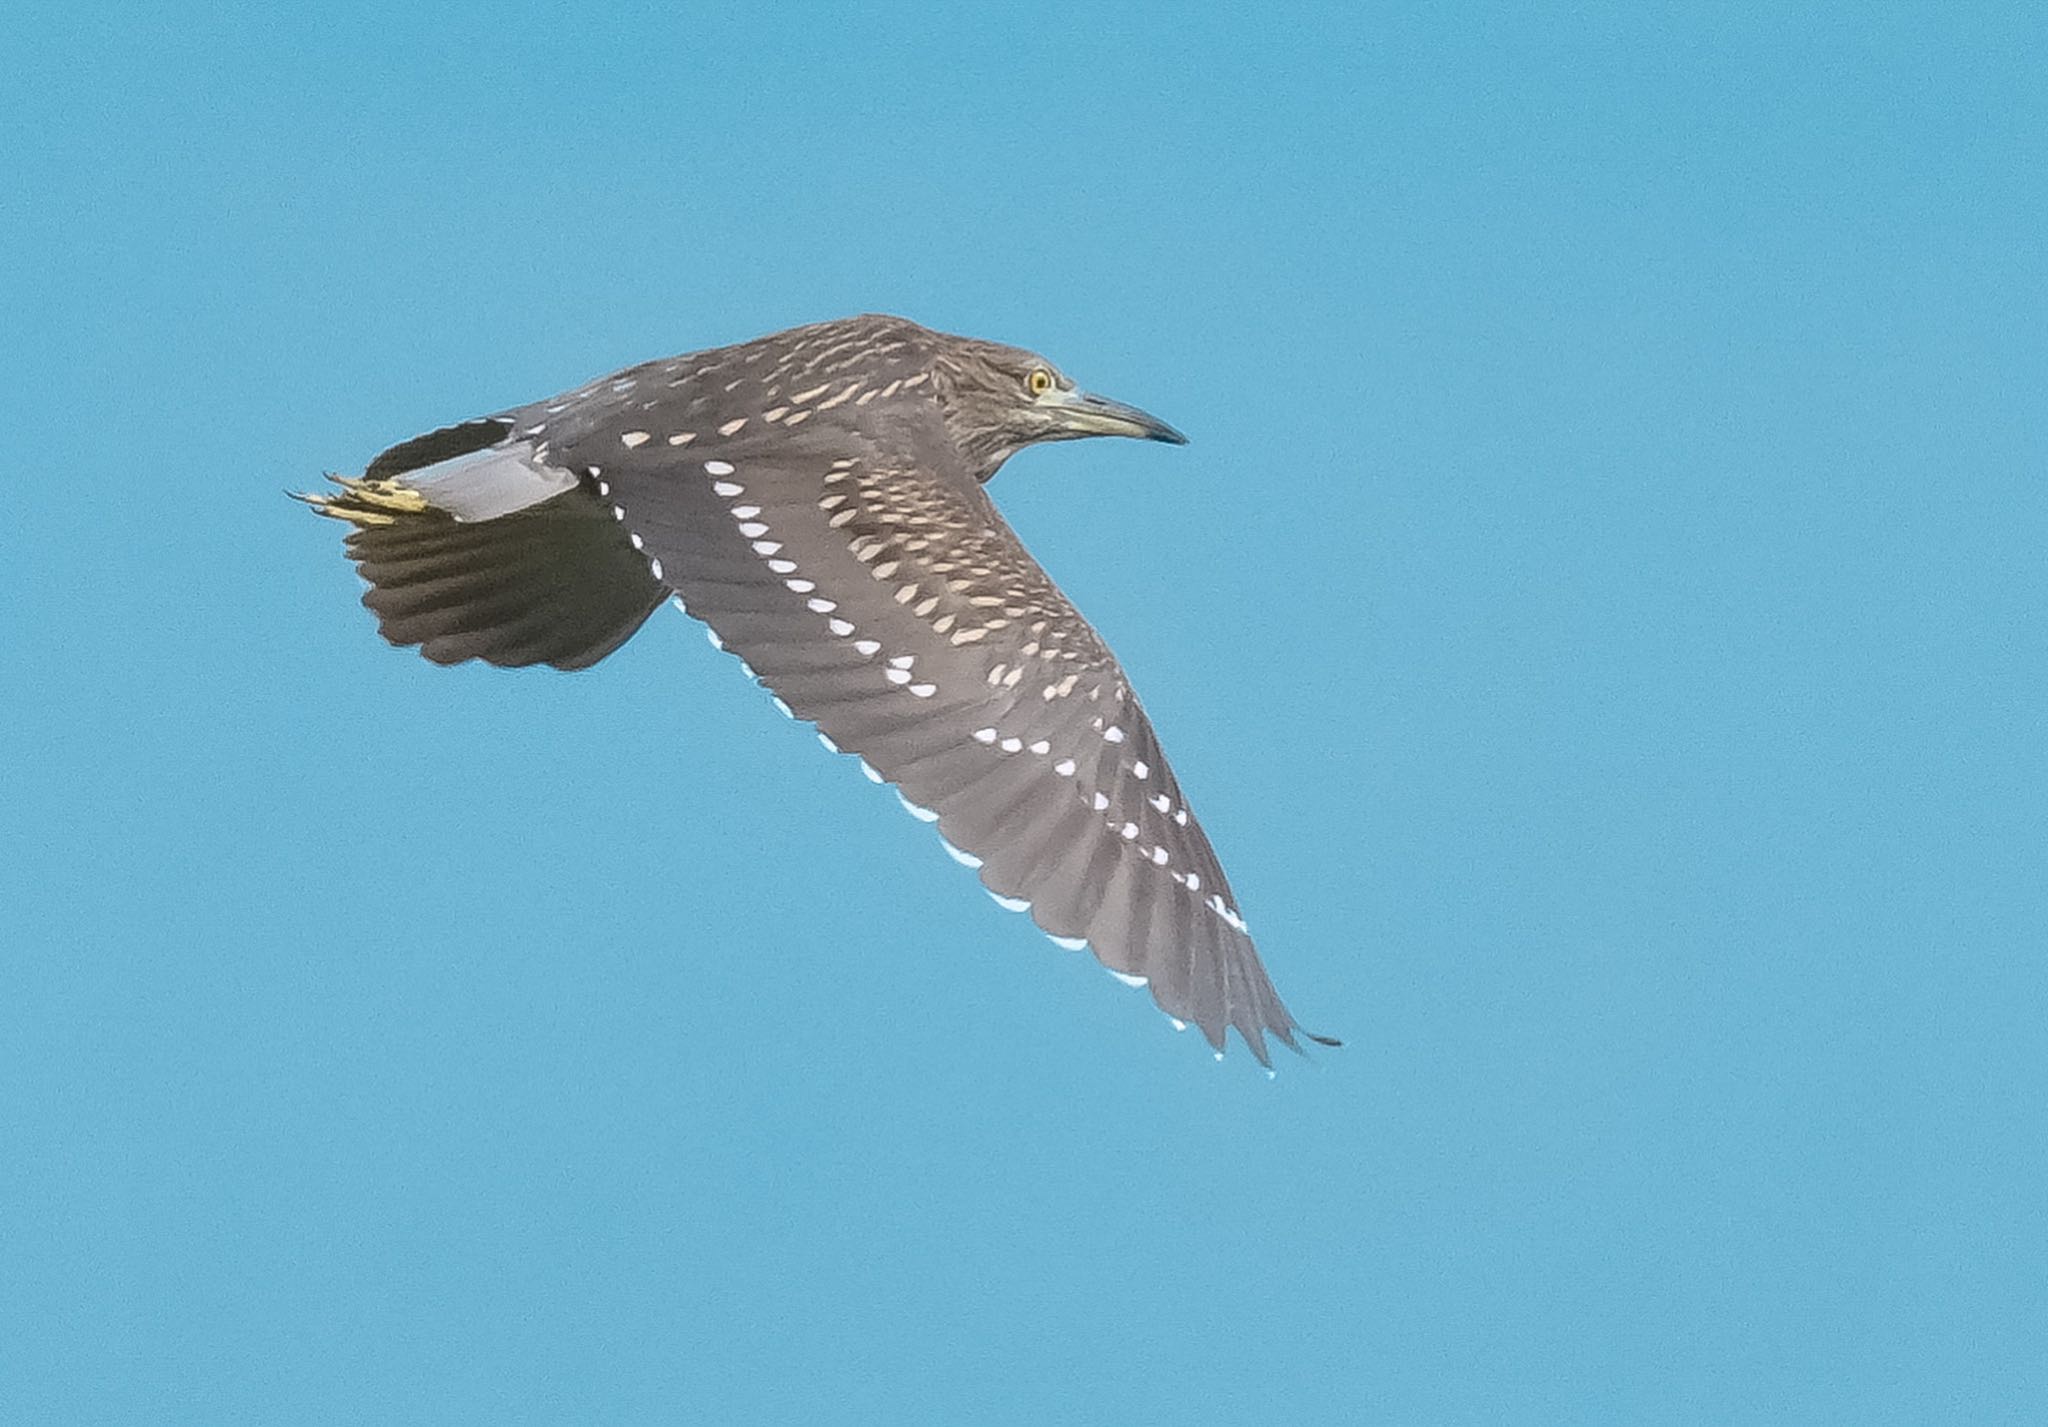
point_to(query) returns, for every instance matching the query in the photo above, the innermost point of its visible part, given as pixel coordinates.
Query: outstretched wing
(882, 597)
(474, 548)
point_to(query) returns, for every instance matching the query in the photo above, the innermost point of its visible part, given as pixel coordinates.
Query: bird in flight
(816, 497)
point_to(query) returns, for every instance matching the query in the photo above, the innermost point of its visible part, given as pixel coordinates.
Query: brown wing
(901, 615)
(547, 578)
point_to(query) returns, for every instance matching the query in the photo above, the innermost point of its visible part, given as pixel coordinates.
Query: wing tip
(1255, 1037)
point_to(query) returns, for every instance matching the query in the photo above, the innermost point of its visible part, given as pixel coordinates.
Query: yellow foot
(362, 502)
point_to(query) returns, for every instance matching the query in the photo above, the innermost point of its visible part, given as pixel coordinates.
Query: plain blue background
(1601, 618)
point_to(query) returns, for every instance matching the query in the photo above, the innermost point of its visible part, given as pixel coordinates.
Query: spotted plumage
(816, 498)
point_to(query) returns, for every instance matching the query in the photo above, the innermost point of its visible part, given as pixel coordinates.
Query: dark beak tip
(1099, 416)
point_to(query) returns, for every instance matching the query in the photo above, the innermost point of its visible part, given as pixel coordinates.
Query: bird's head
(998, 400)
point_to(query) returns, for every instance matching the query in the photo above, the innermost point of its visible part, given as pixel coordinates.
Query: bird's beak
(1078, 413)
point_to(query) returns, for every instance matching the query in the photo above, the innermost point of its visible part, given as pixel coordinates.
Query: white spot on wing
(718, 468)
(1069, 943)
(633, 439)
(728, 489)
(1010, 904)
(923, 815)
(965, 859)
(1127, 978)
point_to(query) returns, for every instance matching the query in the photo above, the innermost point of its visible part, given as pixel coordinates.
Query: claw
(365, 502)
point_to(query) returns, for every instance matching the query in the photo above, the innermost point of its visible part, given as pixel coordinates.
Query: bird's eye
(1039, 382)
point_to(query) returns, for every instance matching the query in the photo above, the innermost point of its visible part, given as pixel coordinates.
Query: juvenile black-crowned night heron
(815, 497)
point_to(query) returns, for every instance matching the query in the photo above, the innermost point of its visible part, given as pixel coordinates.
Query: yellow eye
(1039, 382)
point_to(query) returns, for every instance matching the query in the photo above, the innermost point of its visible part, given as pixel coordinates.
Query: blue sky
(1601, 617)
